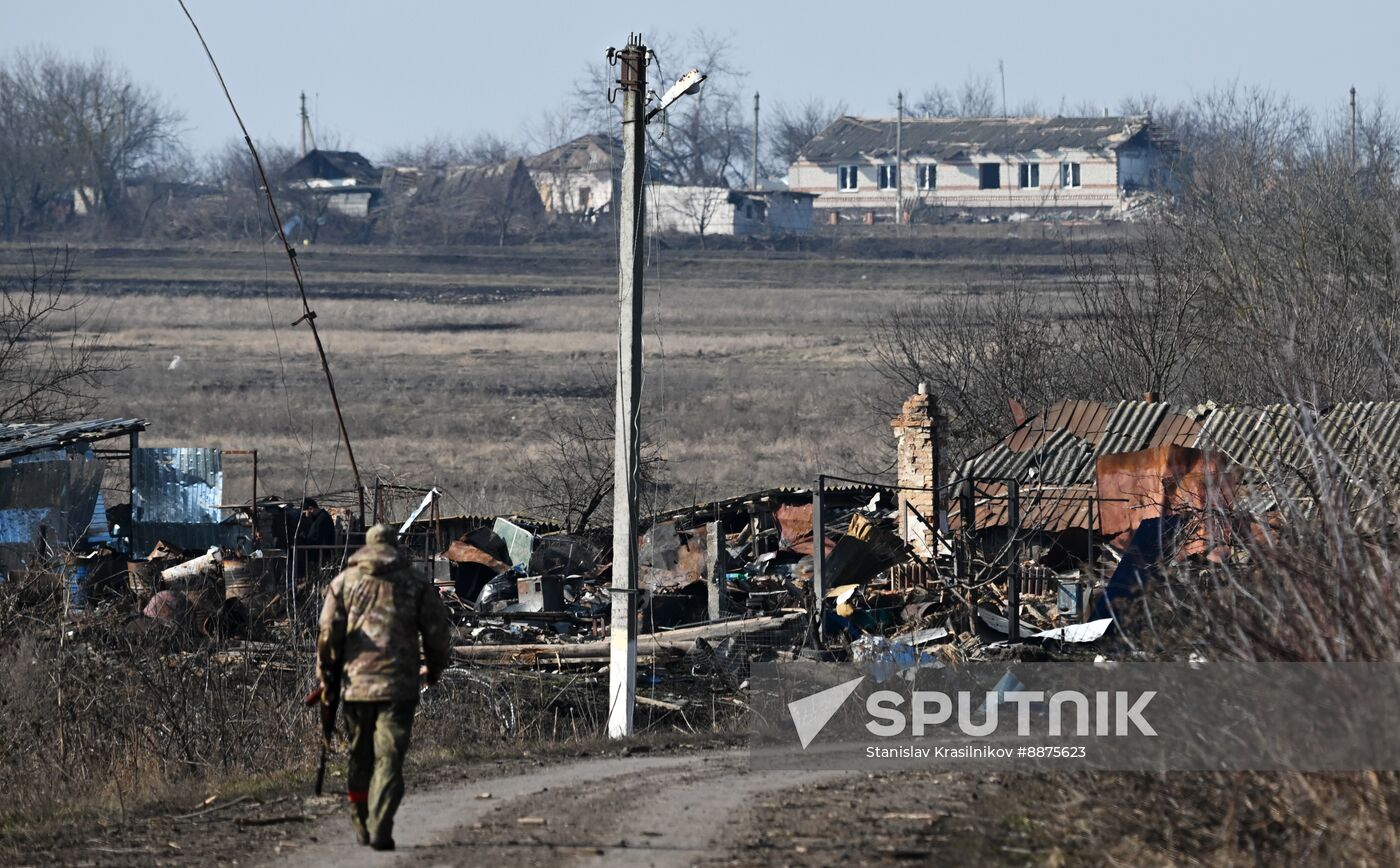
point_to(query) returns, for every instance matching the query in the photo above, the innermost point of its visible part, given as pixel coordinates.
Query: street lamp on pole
(632, 83)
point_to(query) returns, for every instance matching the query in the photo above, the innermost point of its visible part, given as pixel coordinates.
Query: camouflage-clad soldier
(371, 624)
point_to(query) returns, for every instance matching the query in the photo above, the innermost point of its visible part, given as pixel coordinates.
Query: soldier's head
(309, 506)
(382, 535)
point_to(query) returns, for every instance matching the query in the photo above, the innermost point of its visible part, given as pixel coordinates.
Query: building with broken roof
(580, 176)
(722, 211)
(988, 165)
(346, 180)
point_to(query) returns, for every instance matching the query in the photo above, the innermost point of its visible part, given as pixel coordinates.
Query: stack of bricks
(916, 464)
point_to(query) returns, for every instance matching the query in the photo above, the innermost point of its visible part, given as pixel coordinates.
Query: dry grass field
(451, 363)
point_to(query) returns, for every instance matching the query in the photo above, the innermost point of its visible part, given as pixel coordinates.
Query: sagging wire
(307, 450)
(308, 315)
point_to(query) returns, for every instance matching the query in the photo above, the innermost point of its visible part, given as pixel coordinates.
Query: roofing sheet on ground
(176, 495)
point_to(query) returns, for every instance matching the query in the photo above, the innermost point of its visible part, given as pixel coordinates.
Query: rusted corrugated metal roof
(1084, 419)
(1175, 429)
(1051, 508)
(1269, 447)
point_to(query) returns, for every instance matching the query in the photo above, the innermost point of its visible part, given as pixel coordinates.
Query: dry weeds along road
(697, 808)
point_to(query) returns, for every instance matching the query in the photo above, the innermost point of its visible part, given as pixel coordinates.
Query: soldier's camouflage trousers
(379, 733)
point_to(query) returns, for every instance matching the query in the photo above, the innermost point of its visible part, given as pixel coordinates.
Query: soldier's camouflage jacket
(374, 614)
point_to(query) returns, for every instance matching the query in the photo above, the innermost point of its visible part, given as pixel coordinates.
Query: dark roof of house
(333, 166)
(30, 437)
(948, 138)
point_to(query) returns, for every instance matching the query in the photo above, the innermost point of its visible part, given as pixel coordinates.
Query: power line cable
(308, 315)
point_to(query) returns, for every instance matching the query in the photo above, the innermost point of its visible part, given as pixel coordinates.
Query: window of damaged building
(1069, 175)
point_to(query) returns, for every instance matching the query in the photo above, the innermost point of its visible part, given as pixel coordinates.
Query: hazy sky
(386, 73)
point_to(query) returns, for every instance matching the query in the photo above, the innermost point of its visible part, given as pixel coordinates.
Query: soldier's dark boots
(358, 818)
(383, 842)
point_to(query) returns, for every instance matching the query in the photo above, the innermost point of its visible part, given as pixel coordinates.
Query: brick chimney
(916, 452)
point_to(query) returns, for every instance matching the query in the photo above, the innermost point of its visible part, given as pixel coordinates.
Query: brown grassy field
(452, 362)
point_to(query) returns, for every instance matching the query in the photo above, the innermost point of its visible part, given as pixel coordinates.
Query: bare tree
(1270, 276)
(792, 126)
(553, 127)
(569, 478)
(976, 98)
(83, 129)
(441, 151)
(689, 209)
(1145, 315)
(52, 363)
(702, 140)
(975, 352)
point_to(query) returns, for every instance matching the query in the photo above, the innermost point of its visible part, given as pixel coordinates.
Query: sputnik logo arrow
(811, 714)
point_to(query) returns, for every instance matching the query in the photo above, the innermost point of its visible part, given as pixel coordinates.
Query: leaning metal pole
(622, 670)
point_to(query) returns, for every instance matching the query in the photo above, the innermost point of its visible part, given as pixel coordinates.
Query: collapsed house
(579, 177)
(1084, 493)
(1036, 538)
(346, 182)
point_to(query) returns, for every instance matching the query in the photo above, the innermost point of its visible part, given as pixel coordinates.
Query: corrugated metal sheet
(1271, 450)
(56, 491)
(1130, 427)
(175, 496)
(1085, 419)
(20, 527)
(1175, 429)
(28, 438)
(1051, 508)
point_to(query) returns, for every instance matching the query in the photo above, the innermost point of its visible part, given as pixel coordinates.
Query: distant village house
(721, 211)
(985, 165)
(346, 180)
(578, 177)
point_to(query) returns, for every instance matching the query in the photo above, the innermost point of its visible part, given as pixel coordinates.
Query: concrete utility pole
(622, 669)
(755, 141)
(632, 84)
(1353, 127)
(899, 161)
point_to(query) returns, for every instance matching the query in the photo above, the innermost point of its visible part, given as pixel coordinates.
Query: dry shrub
(111, 713)
(1317, 580)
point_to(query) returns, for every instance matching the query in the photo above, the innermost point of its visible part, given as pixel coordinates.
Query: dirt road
(698, 809)
(644, 811)
(664, 809)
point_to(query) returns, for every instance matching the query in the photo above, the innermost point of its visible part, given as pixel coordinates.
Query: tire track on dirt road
(634, 811)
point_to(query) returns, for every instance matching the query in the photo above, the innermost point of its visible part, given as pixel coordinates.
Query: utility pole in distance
(1353, 128)
(632, 84)
(755, 141)
(899, 161)
(307, 135)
